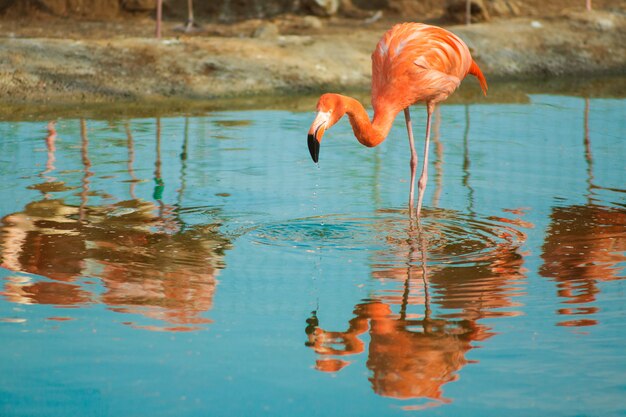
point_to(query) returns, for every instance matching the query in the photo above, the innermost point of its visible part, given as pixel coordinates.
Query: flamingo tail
(476, 72)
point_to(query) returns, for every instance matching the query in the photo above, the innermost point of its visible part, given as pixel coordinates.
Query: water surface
(201, 264)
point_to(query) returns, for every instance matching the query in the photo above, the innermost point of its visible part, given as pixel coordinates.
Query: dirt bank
(96, 61)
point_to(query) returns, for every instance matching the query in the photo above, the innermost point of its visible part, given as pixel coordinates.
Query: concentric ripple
(447, 236)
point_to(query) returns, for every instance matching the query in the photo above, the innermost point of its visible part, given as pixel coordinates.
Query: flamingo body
(414, 62)
(411, 63)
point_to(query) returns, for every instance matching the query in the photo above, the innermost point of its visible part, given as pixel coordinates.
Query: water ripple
(449, 237)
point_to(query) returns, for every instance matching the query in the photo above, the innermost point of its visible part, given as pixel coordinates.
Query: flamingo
(412, 63)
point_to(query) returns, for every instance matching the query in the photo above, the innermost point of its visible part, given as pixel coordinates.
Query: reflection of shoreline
(412, 355)
(147, 260)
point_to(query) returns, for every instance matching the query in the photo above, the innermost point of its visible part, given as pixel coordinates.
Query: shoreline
(44, 71)
(501, 92)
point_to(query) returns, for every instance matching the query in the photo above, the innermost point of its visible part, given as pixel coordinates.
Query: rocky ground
(61, 60)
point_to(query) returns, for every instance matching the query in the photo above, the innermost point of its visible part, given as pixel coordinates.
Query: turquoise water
(203, 265)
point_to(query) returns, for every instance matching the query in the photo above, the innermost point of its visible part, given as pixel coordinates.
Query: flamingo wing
(414, 63)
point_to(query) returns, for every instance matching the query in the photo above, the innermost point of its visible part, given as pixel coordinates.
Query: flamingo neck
(369, 133)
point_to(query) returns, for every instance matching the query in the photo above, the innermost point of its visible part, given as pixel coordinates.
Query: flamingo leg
(190, 21)
(159, 17)
(409, 129)
(421, 185)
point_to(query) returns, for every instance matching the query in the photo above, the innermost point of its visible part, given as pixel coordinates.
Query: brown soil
(46, 58)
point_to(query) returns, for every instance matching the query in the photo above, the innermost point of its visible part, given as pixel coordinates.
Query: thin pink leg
(588, 4)
(190, 21)
(159, 16)
(409, 129)
(421, 185)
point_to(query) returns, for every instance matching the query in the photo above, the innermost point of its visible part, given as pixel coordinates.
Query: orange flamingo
(412, 63)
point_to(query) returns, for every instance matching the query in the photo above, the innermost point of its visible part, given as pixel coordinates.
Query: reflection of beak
(318, 127)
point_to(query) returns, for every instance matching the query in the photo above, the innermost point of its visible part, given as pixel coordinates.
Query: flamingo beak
(318, 127)
(314, 147)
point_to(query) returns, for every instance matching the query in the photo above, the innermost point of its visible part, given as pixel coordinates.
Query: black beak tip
(314, 148)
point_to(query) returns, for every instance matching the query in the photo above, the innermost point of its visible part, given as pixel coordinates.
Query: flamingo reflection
(412, 355)
(51, 149)
(585, 245)
(148, 261)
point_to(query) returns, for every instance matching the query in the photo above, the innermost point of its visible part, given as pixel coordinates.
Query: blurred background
(231, 11)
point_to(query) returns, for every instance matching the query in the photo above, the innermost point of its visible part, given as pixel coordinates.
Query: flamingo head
(330, 108)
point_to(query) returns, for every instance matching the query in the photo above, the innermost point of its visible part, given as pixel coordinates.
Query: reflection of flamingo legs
(409, 273)
(376, 171)
(439, 155)
(421, 248)
(427, 310)
(588, 156)
(84, 195)
(466, 162)
(183, 161)
(131, 160)
(183, 168)
(159, 184)
(50, 139)
(50, 157)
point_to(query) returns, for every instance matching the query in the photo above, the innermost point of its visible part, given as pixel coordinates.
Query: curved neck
(369, 133)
